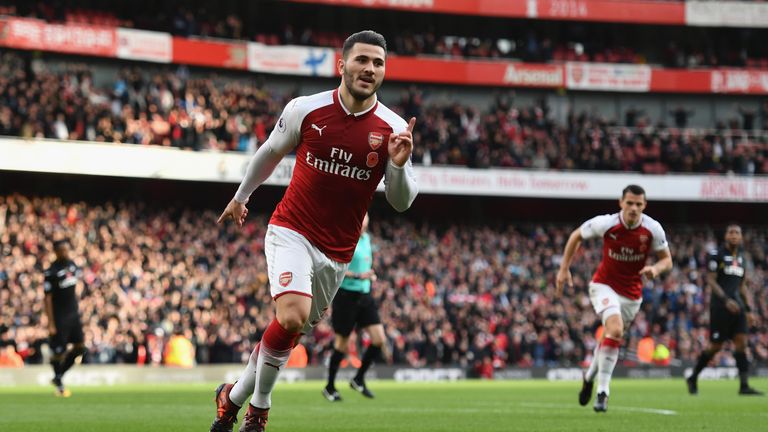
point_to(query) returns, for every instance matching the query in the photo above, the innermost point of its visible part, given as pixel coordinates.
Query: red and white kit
(616, 286)
(341, 158)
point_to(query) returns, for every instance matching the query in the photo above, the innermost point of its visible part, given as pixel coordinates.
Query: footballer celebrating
(345, 141)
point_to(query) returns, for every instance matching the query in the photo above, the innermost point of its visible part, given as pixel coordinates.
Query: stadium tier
(200, 110)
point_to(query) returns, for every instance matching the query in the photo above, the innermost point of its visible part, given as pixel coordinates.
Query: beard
(349, 80)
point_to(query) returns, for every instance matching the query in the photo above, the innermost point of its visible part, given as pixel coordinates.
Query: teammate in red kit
(629, 237)
(345, 142)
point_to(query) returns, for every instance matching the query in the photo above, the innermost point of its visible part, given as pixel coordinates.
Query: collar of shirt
(628, 226)
(338, 100)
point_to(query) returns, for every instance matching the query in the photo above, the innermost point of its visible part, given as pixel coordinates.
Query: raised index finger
(221, 218)
(411, 123)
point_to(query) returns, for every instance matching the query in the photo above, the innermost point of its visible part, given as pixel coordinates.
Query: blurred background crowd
(479, 297)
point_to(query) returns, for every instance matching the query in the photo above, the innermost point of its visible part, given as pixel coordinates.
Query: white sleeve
(287, 132)
(597, 226)
(400, 185)
(283, 139)
(659, 238)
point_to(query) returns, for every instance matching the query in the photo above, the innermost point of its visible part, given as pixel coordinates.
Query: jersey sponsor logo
(734, 270)
(338, 168)
(626, 255)
(281, 125)
(375, 139)
(319, 129)
(68, 282)
(285, 279)
(372, 159)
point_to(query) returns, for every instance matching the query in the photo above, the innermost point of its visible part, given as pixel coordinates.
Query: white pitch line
(612, 407)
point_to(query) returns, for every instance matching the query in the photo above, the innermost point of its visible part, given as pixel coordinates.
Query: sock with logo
(606, 362)
(244, 385)
(276, 346)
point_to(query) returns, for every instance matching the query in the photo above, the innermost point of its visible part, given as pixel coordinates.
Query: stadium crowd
(464, 295)
(218, 112)
(449, 36)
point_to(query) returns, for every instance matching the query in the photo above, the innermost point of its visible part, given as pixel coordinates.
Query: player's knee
(615, 331)
(341, 346)
(292, 322)
(377, 338)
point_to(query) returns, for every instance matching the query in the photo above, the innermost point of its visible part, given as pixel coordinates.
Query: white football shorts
(296, 266)
(607, 302)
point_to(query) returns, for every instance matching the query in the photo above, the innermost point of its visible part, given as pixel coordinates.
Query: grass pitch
(635, 405)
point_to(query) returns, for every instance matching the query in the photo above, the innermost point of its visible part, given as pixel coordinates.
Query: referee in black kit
(61, 308)
(728, 309)
(354, 306)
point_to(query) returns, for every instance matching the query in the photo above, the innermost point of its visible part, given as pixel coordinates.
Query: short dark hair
(59, 243)
(633, 189)
(732, 225)
(369, 37)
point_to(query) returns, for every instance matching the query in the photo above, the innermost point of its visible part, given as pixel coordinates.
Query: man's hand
(400, 145)
(752, 320)
(369, 275)
(649, 271)
(732, 306)
(563, 277)
(235, 210)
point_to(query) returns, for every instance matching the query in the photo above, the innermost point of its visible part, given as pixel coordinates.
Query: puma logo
(613, 236)
(319, 129)
(270, 364)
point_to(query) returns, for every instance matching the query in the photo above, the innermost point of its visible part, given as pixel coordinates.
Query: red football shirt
(625, 250)
(340, 160)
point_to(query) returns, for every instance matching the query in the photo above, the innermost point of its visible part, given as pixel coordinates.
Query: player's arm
(48, 305)
(730, 304)
(746, 299)
(283, 139)
(663, 256)
(564, 274)
(663, 264)
(715, 288)
(400, 185)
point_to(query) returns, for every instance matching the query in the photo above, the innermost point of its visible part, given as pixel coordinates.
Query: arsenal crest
(285, 278)
(375, 139)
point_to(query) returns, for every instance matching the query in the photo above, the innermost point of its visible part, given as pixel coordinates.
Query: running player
(629, 237)
(345, 143)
